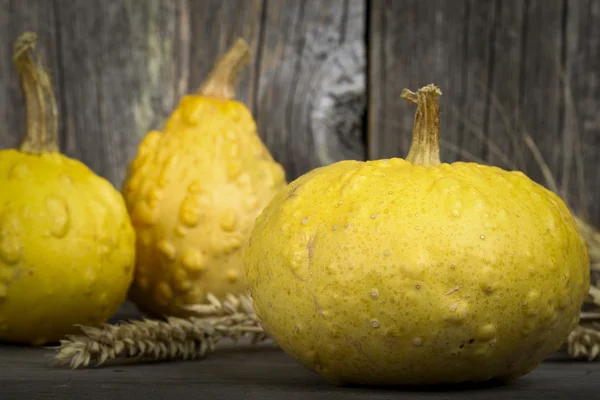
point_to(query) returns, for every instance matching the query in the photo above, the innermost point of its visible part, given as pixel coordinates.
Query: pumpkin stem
(41, 114)
(425, 146)
(223, 77)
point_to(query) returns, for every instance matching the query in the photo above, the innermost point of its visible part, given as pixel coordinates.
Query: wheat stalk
(174, 338)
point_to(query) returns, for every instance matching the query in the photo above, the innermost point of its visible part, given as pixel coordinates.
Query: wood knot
(339, 104)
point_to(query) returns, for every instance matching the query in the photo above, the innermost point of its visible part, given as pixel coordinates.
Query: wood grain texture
(540, 109)
(506, 68)
(504, 81)
(311, 88)
(214, 26)
(115, 76)
(263, 375)
(582, 103)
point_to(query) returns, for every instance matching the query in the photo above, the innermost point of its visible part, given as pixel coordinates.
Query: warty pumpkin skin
(194, 190)
(413, 271)
(67, 246)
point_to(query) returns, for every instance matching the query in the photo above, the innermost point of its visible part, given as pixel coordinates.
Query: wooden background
(326, 76)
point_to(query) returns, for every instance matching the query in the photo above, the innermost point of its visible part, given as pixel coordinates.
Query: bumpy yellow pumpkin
(194, 190)
(415, 271)
(66, 240)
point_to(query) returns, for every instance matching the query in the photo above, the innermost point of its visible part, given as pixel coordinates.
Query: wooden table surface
(255, 373)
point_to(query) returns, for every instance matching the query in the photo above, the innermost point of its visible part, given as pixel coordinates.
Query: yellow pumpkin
(66, 240)
(414, 271)
(194, 190)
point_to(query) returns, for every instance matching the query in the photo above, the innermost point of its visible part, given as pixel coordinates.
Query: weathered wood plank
(16, 17)
(311, 90)
(540, 94)
(116, 76)
(503, 86)
(582, 102)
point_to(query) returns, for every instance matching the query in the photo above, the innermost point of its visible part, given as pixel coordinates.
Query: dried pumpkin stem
(42, 117)
(222, 79)
(425, 146)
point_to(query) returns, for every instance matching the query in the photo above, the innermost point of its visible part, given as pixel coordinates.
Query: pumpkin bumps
(66, 240)
(415, 271)
(194, 190)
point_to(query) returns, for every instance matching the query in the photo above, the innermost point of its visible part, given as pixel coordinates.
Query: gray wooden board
(311, 86)
(583, 98)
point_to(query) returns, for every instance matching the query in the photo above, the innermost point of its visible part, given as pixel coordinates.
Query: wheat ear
(175, 338)
(584, 342)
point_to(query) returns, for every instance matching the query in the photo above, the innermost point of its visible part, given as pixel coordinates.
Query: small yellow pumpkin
(67, 246)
